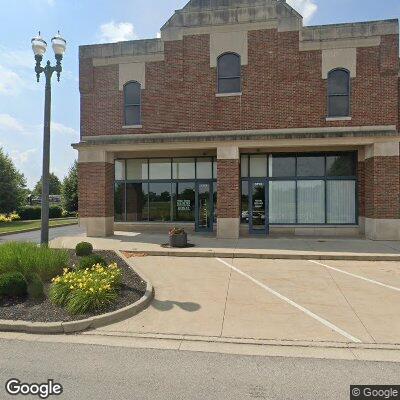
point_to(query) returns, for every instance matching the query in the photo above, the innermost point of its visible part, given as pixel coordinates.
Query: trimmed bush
(55, 212)
(35, 287)
(12, 284)
(29, 259)
(86, 290)
(91, 261)
(83, 249)
(30, 213)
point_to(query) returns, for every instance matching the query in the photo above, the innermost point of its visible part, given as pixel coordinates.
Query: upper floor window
(229, 73)
(132, 103)
(339, 93)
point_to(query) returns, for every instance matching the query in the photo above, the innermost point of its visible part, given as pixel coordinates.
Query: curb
(35, 229)
(281, 256)
(52, 328)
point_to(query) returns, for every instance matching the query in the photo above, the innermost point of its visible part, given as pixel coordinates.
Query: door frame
(265, 230)
(211, 202)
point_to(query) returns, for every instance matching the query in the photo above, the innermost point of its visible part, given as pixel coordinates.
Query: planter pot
(178, 240)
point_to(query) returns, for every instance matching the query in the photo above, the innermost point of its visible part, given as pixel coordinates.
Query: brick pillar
(96, 193)
(382, 191)
(228, 201)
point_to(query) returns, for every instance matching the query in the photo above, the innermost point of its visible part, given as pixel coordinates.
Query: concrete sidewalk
(274, 248)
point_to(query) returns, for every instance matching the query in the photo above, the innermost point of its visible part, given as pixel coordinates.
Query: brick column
(382, 191)
(96, 192)
(228, 201)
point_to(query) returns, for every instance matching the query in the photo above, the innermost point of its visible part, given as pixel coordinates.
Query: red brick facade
(96, 189)
(382, 187)
(228, 201)
(282, 88)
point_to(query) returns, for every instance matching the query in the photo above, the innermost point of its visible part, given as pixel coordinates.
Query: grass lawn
(21, 226)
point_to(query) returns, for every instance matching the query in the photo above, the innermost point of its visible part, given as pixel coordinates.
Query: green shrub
(55, 212)
(83, 249)
(13, 284)
(35, 287)
(91, 261)
(28, 213)
(86, 290)
(29, 259)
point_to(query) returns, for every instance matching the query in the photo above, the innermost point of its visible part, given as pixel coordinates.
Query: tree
(69, 189)
(54, 186)
(13, 190)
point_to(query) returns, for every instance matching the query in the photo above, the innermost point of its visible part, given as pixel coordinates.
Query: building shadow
(168, 305)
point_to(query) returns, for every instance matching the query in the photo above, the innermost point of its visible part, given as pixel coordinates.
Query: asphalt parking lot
(294, 300)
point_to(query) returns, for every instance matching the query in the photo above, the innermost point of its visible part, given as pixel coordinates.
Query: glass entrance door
(258, 221)
(204, 207)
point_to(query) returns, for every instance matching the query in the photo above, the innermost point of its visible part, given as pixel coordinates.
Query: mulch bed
(133, 288)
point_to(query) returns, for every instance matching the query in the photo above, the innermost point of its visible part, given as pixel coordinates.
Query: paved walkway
(207, 246)
(283, 300)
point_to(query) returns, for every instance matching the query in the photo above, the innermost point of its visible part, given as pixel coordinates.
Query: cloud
(307, 8)
(56, 127)
(10, 124)
(10, 82)
(22, 157)
(117, 32)
(158, 35)
(17, 58)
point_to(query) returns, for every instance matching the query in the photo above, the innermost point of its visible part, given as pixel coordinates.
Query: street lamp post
(39, 47)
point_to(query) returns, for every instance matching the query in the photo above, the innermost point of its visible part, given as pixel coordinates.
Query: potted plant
(177, 237)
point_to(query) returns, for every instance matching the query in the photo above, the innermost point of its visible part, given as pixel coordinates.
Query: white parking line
(357, 276)
(292, 303)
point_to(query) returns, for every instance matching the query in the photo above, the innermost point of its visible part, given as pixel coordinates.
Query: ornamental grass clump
(86, 290)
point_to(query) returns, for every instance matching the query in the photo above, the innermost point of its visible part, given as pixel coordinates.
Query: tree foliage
(54, 186)
(70, 189)
(13, 190)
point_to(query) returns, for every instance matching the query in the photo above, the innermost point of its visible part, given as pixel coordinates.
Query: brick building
(240, 120)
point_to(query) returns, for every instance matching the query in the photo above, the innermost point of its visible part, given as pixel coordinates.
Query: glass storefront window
(136, 169)
(184, 202)
(282, 166)
(215, 170)
(119, 170)
(341, 202)
(258, 166)
(183, 168)
(311, 202)
(215, 198)
(160, 168)
(204, 168)
(340, 165)
(137, 206)
(160, 202)
(119, 202)
(311, 166)
(244, 217)
(282, 202)
(244, 166)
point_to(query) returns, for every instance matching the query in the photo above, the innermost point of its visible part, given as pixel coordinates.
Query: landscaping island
(39, 284)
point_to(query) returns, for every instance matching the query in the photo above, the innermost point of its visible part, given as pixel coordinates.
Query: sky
(94, 21)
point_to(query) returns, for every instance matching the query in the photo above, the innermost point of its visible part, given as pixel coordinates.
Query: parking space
(335, 301)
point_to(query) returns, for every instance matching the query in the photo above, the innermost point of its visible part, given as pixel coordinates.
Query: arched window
(229, 73)
(132, 103)
(339, 93)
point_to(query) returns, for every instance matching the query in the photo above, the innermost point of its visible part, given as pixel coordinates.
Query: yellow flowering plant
(86, 290)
